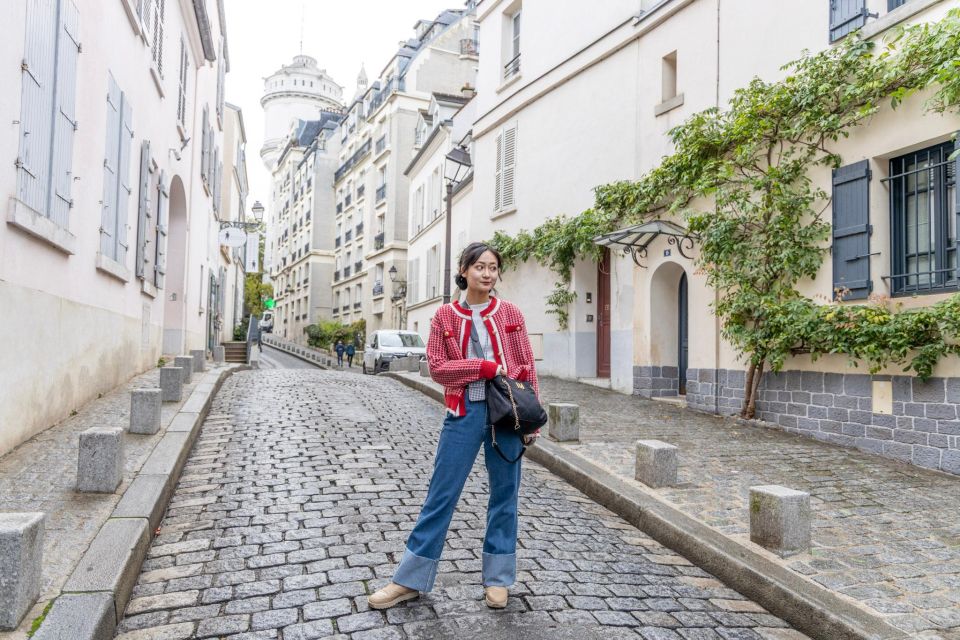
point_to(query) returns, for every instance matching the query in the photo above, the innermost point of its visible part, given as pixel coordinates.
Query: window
(511, 67)
(391, 339)
(416, 220)
(47, 119)
(669, 77)
(923, 205)
(893, 4)
(433, 271)
(156, 7)
(503, 193)
(846, 16)
(116, 174)
(413, 281)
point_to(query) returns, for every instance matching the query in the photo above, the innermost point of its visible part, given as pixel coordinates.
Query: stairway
(235, 351)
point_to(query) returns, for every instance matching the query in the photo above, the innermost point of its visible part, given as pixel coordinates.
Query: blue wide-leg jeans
(459, 444)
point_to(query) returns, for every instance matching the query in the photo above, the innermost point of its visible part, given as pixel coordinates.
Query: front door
(603, 316)
(682, 356)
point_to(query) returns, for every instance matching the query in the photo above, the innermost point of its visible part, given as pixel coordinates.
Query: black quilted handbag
(512, 406)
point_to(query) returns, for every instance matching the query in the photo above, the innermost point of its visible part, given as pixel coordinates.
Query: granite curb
(806, 605)
(94, 597)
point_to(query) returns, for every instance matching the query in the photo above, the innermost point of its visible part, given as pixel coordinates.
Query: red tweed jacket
(449, 335)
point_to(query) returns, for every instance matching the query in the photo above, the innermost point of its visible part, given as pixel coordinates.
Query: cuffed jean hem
(499, 569)
(415, 572)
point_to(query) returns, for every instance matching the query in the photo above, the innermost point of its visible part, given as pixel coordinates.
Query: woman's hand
(501, 370)
(531, 438)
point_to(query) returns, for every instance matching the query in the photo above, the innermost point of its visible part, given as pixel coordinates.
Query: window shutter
(143, 210)
(157, 48)
(851, 230)
(509, 167)
(846, 16)
(123, 178)
(65, 122)
(182, 95)
(163, 202)
(205, 150)
(956, 207)
(37, 79)
(111, 161)
(498, 172)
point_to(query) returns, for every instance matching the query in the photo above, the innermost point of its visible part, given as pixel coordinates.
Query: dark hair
(469, 256)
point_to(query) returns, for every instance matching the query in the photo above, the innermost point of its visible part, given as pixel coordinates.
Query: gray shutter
(111, 162)
(851, 230)
(163, 202)
(65, 121)
(123, 178)
(143, 209)
(33, 163)
(956, 205)
(846, 16)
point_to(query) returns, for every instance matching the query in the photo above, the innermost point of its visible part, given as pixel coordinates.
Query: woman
(462, 360)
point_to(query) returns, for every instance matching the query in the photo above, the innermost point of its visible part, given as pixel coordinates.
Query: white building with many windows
(114, 148)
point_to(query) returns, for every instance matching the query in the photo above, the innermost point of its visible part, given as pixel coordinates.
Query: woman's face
(482, 275)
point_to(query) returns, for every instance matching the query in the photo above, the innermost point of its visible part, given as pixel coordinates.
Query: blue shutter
(111, 161)
(65, 122)
(846, 16)
(143, 210)
(36, 106)
(123, 177)
(851, 230)
(163, 209)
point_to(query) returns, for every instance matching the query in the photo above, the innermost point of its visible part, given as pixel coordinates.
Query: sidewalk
(886, 535)
(40, 475)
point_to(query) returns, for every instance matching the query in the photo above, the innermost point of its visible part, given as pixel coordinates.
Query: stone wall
(923, 428)
(655, 382)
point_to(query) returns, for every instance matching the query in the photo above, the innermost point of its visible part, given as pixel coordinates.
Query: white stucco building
(109, 234)
(233, 207)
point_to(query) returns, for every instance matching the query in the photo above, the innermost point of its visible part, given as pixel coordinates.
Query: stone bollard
(780, 519)
(656, 463)
(219, 354)
(186, 365)
(564, 421)
(21, 556)
(171, 384)
(424, 369)
(145, 411)
(100, 462)
(199, 360)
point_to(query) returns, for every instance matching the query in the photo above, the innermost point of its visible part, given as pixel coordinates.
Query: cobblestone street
(296, 502)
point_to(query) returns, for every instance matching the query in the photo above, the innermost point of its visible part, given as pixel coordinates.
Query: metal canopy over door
(682, 336)
(603, 316)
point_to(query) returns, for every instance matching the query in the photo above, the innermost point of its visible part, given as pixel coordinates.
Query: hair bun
(461, 282)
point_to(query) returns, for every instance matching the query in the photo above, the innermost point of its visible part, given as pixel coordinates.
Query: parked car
(385, 345)
(266, 322)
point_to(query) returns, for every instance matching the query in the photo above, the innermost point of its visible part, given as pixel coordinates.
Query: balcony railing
(469, 47)
(345, 307)
(346, 271)
(339, 207)
(381, 145)
(336, 241)
(389, 87)
(336, 311)
(356, 305)
(378, 240)
(360, 191)
(347, 200)
(512, 68)
(359, 229)
(354, 159)
(357, 266)
(378, 288)
(348, 235)
(381, 192)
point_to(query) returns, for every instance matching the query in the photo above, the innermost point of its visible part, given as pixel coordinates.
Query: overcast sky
(262, 35)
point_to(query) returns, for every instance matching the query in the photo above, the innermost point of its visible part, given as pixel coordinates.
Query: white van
(387, 344)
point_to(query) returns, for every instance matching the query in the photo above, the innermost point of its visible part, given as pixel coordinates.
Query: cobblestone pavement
(884, 533)
(41, 475)
(296, 502)
(271, 358)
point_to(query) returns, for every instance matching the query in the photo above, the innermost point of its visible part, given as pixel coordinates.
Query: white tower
(300, 90)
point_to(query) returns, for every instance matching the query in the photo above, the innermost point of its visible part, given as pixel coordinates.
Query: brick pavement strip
(301, 490)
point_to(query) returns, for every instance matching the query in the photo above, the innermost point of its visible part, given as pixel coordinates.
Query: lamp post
(457, 161)
(400, 293)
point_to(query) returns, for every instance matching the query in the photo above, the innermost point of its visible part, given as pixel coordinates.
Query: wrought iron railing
(512, 68)
(346, 271)
(352, 160)
(378, 288)
(381, 192)
(378, 240)
(381, 144)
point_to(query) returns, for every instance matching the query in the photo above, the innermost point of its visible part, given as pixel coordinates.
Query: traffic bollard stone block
(21, 559)
(186, 365)
(100, 460)
(656, 464)
(145, 407)
(564, 421)
(171, 384)
(780, 519)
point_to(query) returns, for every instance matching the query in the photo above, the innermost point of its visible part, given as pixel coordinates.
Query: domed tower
(362, 82)
(300, 90)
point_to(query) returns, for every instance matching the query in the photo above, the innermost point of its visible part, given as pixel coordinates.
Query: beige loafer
(391, 595)
(495, 597)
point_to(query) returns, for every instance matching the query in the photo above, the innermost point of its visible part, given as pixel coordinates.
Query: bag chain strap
(516, 414)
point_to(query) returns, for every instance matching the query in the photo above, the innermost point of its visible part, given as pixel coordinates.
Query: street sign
(233, 237)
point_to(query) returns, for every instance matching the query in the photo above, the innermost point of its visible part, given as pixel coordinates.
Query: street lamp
(257, 211)
(400, 292)
(455, 168)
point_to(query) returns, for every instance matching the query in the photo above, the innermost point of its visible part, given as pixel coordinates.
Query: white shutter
(498, 175)
(65, 123)
(143, 211)
(163, 201)
(182, 94)
(123, 178)
(509, 167)
(111, 161)
(157, 46)
(205, 149)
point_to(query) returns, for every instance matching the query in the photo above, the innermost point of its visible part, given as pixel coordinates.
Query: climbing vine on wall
(740, 178)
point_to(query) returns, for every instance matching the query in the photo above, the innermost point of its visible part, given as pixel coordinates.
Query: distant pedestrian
(340, 349)
(497, 345)
(350, 351)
